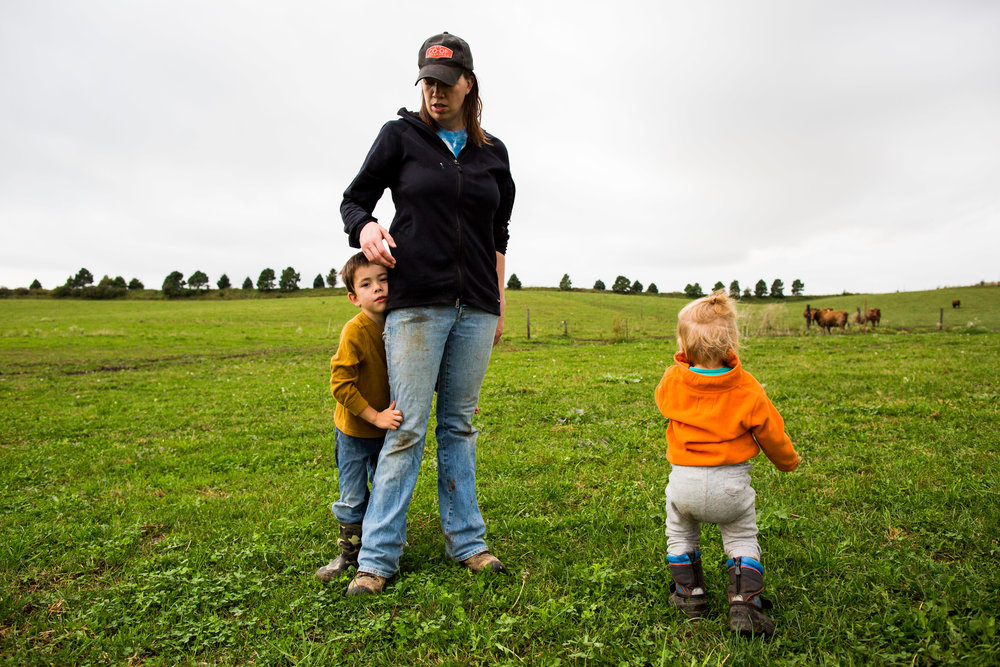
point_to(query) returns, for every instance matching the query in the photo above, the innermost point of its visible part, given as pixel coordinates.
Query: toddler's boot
(349, 542)
(746, 604)
(687, 592)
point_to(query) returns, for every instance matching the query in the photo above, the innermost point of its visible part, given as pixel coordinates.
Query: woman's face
(445, 102)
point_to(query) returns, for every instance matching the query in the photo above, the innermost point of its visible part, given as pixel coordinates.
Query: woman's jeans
(443, 347)
(712, 494)
(356, 460)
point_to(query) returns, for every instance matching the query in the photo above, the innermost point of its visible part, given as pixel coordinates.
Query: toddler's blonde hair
(706, 328)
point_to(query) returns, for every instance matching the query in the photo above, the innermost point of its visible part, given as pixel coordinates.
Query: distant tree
(119, 283)
(693, 291)
(734, 289)
(247, 283)
(197, 280)
(599, 285)
(717, 286)
(331, 278)
(777, 289)
(746, 293)
(173, 284)
(106, 288)
(135, 283)
(797, 287)
(652, 289)
(265, 281)
(513, 282)
(289, 280)
(565, 284)
(223, 282)
(318, 281)
(35, 284)
(621, 285)
(760, 289)
(82, 279)
(636, 288)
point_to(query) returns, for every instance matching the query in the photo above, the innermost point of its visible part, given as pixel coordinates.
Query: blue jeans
(446, 347)
(356, 460)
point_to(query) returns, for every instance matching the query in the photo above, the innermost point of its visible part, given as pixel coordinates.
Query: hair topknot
(706, 328)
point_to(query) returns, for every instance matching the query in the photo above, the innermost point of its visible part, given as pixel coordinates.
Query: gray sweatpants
(718, 494)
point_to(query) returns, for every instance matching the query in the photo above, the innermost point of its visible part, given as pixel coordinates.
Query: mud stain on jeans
(404, 440)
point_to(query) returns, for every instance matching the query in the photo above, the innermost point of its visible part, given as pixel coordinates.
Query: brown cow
(956, 303)
(874, 315)
(814, 314)
(832, 318)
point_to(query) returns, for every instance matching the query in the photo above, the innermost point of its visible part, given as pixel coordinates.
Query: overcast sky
(852, 145)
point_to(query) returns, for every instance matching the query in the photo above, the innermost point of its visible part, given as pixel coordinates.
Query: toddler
(720, 418)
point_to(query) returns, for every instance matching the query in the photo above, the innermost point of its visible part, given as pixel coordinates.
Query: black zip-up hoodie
(451, 214)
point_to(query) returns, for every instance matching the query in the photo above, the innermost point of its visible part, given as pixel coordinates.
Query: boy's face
(371, 287)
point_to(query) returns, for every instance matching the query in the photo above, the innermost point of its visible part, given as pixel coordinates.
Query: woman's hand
(371, 238)
(501, 270)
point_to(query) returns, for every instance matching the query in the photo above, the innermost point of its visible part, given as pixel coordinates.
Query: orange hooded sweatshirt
(721, 419)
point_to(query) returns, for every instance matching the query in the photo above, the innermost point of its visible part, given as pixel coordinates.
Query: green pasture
(166, 470)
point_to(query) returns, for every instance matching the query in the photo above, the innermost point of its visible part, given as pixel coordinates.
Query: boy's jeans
(712, 494)
(445, 347)
(356, 460)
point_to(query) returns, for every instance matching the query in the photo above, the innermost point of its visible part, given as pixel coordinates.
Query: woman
(453, 195)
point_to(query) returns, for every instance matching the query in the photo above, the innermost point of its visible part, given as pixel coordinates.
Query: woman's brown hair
(472, 113)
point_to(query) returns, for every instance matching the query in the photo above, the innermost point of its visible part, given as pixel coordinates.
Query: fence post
(565, 333)
(941, 319)
(529, 322)
(809, 320)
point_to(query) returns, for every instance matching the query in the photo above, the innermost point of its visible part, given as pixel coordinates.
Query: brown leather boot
(366, 583)
(349, 542)
(687, 592)
(746, 604)
(484, 562)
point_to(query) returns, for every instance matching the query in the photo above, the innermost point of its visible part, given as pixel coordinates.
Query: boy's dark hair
(356, 262)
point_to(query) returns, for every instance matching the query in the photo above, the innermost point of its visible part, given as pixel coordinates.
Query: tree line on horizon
(175, 285)
(623, 285)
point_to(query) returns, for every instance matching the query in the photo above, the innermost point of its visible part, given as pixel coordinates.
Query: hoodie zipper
(458, 230)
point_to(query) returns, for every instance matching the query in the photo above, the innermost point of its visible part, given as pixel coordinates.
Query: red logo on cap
(438, 52)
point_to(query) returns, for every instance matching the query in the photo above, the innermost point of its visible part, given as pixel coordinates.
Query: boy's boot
(746, 604)
(350, 546)
(687, 592)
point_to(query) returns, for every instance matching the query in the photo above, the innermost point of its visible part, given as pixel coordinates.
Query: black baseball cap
(444, 57)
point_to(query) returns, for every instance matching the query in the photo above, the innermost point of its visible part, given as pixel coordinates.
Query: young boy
(360, 383)
(720, 418)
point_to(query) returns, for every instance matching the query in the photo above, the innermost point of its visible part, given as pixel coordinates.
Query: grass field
(166, 470)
